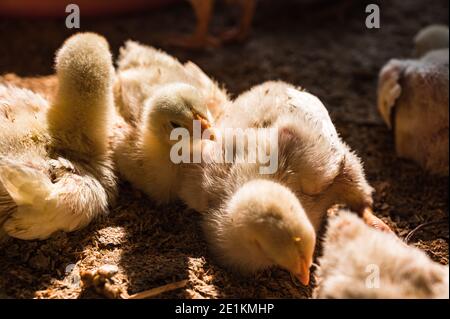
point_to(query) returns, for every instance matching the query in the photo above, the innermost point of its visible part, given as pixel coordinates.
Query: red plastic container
(57, 8)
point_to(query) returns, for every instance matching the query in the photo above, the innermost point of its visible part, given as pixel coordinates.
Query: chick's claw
(375, 222)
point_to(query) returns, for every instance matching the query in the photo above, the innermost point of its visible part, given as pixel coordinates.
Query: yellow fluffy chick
(323, 169)
(56, 169)
(359, 262)
(156, 94)
(262, 225)
(142, 70)
(314, 170)
(251, 220)
(413, 101)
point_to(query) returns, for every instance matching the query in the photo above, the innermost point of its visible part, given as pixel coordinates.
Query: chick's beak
(302, 272)
(204, 124)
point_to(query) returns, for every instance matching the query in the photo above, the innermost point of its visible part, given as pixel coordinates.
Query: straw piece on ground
(158, 290)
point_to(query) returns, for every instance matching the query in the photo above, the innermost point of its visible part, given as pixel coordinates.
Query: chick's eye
(174, 125)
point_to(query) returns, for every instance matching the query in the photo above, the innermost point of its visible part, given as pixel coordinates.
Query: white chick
(359, 262)
(324, 171)
(56, 170)
(157, 94)
(262, 225)
(413, 101)
(251, 221)
(143, 69)
(313, 164)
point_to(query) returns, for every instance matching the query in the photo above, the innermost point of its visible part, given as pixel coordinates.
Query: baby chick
(359, 262)
(143, 69)
(156, 94)
(261, 225)
(314, 167)
(56, 169)
(323, 169)
(413, 101)
(251, 221)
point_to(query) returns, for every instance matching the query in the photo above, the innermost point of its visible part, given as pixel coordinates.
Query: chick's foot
(375, 222)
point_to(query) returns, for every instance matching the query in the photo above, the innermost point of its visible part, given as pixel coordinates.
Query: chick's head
(176, 106)
(271, 222)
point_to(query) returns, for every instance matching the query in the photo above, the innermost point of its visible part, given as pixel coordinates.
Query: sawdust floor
(336, 59)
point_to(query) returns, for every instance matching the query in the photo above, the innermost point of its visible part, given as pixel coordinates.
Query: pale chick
(312, 163)
(56, 170)
(413, 101)
(323, 169)
(262, 225)
(359, 262)
(251, 221)
(157, 94)
(142, 70)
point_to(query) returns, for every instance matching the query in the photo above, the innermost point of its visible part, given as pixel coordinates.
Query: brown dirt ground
(337, 59)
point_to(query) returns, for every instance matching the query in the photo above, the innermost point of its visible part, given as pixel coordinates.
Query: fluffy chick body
(142, 70)
(314, 165)
(413, 101)
(359, 262)
(251, 221)
(56, 170)
(155, 93)
(314, 162)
